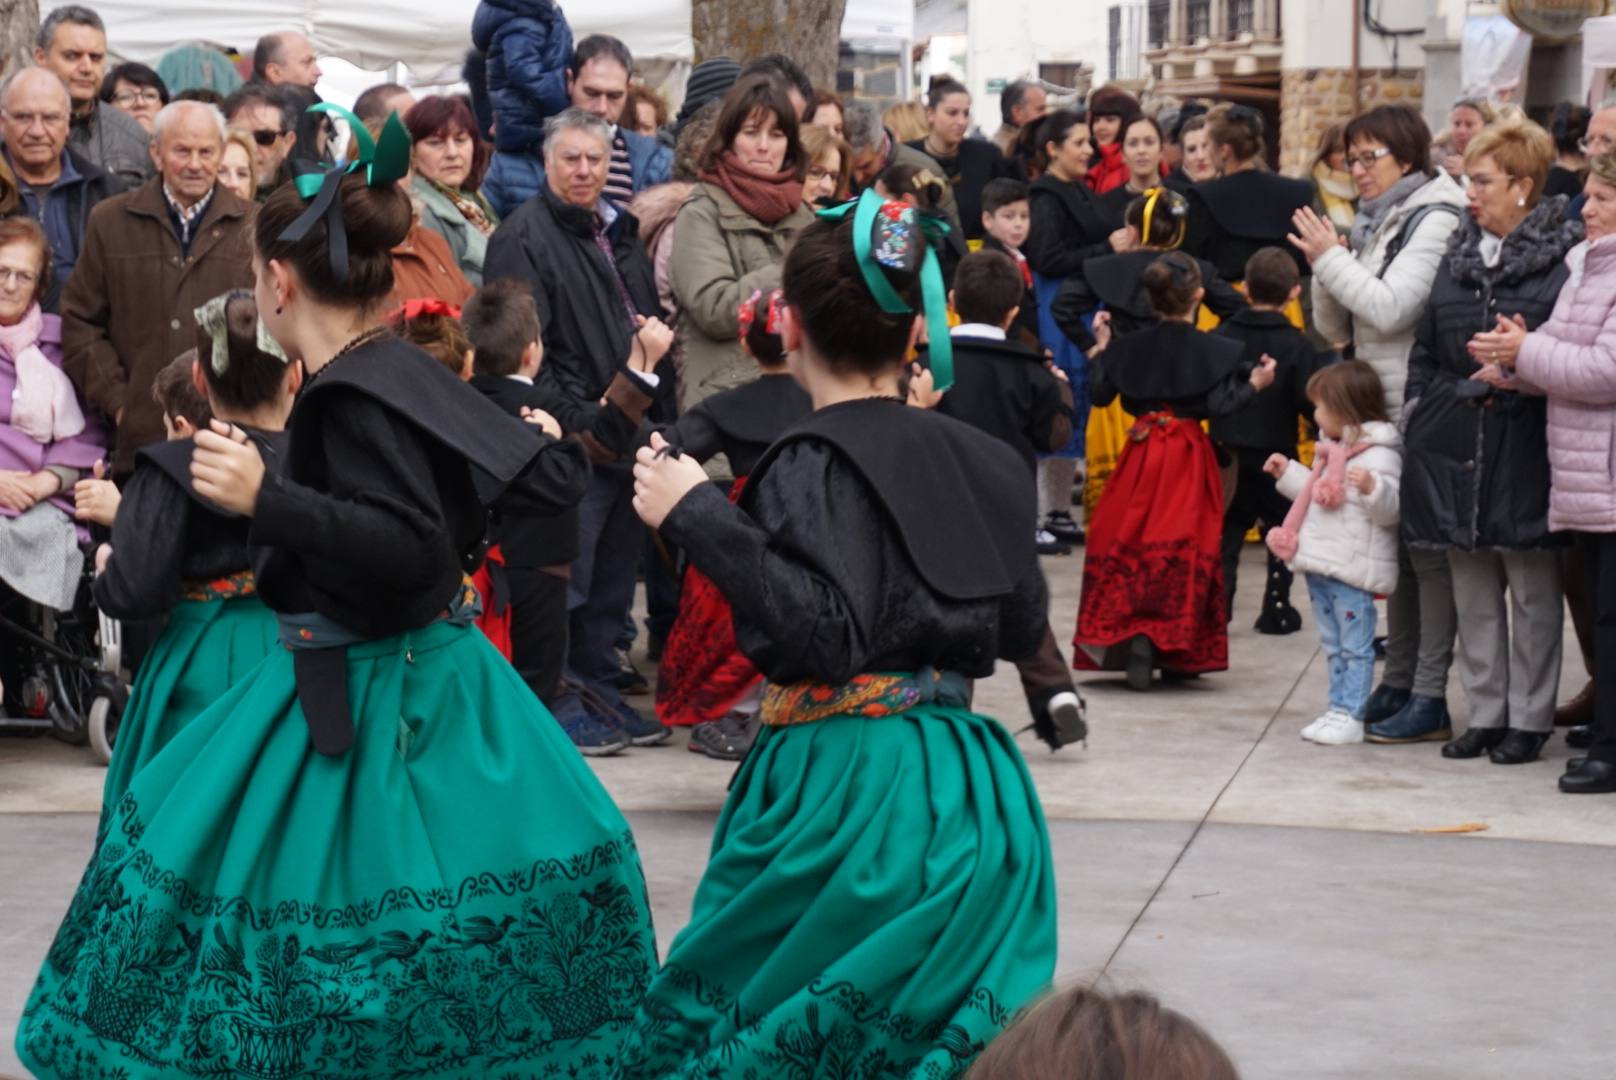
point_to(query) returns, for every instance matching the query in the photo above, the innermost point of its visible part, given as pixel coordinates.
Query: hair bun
(378, 218)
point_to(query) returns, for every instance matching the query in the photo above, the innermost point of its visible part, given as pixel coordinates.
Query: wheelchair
(62, 671)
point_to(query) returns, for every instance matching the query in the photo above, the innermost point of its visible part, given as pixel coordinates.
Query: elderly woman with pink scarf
(47, 441)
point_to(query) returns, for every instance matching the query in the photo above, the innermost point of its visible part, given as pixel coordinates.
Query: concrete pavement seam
(1211, 806)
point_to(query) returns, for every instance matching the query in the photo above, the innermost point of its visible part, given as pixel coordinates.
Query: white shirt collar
(978, 330)
(523, 379)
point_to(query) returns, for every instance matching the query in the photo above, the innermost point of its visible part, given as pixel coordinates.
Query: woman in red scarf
(734, 232)
(1110, 110)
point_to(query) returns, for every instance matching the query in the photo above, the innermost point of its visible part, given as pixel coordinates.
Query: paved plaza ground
(1301, 902)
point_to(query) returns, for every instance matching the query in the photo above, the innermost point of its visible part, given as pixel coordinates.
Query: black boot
(1519, 747)
(1474, 742)
(1278, 616)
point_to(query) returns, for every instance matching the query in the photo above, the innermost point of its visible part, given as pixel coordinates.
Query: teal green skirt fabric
(879, 903)
(206, 648)
(454, 896)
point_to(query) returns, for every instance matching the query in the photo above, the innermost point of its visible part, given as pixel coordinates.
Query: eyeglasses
(1485, 182)
(25, 278)
(1367, 159)
(146, 96)
(265, 137)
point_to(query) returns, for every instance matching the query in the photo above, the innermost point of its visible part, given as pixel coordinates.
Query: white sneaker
(1328, 717)
(1342, 730)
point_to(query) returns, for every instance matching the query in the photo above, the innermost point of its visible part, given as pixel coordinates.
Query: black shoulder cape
(761, 410)
(405, 380)
(958, 497)
(1118, 280)
(1256, 205)
(173, 458)
(1170, 360)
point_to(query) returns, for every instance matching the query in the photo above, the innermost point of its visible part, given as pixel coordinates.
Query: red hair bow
(748, 313)
(426, 305)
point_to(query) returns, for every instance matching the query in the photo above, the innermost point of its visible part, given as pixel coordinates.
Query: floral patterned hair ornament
(896, 236)
(747, 314)
(213, 318)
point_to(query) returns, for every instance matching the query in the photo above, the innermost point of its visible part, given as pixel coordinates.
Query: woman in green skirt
(377, 855)
(879, 901)
(176, 554)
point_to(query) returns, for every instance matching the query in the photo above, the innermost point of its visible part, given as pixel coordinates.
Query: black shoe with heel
(1518, 747)
(1474, 742)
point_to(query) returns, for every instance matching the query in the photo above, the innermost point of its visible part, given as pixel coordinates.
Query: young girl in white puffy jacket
(1341, 533)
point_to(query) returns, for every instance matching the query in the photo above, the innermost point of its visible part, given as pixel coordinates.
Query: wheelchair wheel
(102, 726)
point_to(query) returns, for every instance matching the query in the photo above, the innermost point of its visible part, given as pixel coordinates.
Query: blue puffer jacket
(528, 45)
(513, 179)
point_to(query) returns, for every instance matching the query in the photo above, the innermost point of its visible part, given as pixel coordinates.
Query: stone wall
(1313, 99)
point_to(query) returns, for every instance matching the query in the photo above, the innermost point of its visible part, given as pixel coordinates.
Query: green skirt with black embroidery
(207, 646)
(453, 896)
(879, 902)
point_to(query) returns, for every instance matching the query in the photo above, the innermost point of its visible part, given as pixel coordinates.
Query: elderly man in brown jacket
(152, 256)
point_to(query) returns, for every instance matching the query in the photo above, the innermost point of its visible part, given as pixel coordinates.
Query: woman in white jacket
(1373, 295)
(1341, 532)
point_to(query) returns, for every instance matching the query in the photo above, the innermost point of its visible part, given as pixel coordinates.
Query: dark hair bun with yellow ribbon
(1160, 216)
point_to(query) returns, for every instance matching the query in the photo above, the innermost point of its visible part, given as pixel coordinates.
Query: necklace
(373, 334)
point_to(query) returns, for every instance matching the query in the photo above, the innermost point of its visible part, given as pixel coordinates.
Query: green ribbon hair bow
(385, 161)
(884, 237)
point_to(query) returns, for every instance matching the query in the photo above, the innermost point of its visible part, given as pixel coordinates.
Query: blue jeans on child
(1346, 620)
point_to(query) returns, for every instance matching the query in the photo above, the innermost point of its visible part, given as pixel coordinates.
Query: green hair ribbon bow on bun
(385, 161)
(885, 237)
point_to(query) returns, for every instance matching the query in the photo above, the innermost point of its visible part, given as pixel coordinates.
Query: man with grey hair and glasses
(58, 187)
(72, 43)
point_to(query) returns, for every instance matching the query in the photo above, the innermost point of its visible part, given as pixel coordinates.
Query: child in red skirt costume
(704, 679)
(1153, 579)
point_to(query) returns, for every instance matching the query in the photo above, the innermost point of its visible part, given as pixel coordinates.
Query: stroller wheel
(102, 726)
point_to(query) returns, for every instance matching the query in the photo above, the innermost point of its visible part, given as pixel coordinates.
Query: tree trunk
(19, 22)
(808, 31)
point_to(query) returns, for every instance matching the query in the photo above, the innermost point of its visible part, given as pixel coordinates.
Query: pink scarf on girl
(1326, 485)
(44, 407)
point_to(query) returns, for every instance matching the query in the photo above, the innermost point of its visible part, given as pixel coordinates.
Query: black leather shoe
(1580, 737)
(1591, 778)
(1518, 747)
(1575, 763)
(1141, 663)
(1474, 742)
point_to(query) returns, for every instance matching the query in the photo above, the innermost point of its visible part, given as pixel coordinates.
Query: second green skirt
(206, 648)
(879, 903)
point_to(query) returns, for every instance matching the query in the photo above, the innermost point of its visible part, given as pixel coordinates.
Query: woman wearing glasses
(137, 90)
(1372, 290)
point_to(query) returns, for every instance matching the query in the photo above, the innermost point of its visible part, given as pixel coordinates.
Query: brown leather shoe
(1578, 711)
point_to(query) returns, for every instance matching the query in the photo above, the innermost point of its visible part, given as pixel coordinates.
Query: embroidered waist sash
(871, 695)
(1158, 423)
(230, 587)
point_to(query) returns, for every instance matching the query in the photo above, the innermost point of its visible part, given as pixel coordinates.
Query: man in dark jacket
(58, 187)
(72, 45)
(1267, 425)
(596, 81)
(597, 301)
(151, 257)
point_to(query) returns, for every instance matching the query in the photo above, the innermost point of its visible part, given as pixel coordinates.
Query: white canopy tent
(430, 37)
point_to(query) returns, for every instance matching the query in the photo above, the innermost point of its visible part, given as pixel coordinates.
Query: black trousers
(1256, 498)
(538, 628)
(1599, 567)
